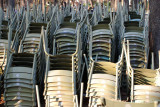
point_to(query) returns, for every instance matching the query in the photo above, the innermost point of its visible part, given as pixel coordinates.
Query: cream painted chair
(104, 81)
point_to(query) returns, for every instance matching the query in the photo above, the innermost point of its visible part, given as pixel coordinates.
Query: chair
(63, 67)
(20, 80)
(104, 81)
(143, 83)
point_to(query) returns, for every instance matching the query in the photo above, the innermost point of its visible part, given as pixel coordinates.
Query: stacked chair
(133, 16)
(3, 51)
(51, 27)
(101, 40)
(20, 30)
(101, 35)
(136, 16)
(144, 83)
(34, 52)
(104, 81)
(66, 38)
(20, 80)
(63, 66)
(4, 43)
(31, 42)
(7, 37)
(25, 68)
(59, 81)
(104, 77)
(135, 34)
(137, 41)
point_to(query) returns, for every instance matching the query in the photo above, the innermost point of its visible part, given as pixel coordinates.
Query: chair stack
(4, 44)
(137, 45)
(62, 68)
(104, 82)
(19, 81)
(31, 42)
(66, 39)
(25, 69)
(134, 16)
(7, 37)
(145, 85)
(59, 82)
(101, 42)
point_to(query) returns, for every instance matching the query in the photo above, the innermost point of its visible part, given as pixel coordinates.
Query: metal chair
(63, 68)
(104, 81)
(20, 80)
(7, 39)
(25, 69)
(143, 83)
(138, 45)
(101, 39)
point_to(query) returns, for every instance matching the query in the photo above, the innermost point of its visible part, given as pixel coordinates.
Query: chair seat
(101, 53)
(102, 81)
(20, 94)
(20, 89)
(100, 26)
(59, 79)
(101, 86)
(19, 76)
(106, 91)
(61, 99)
(149, 93)
(13, 98)
(66, 104)
(59, 93)
(31, 35)
(101, 94)
(17, 80)
(147, 87)
(65, 39)
(31, 39)
(101, 57)
(66, 31)
(20, 103)
(104, 76)
(146, 72)
(10, 85)
(20, 69)
(102, 36)
(60, 73)
(68, 25)
(60, 96)
(65, 84)
(60, 88)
